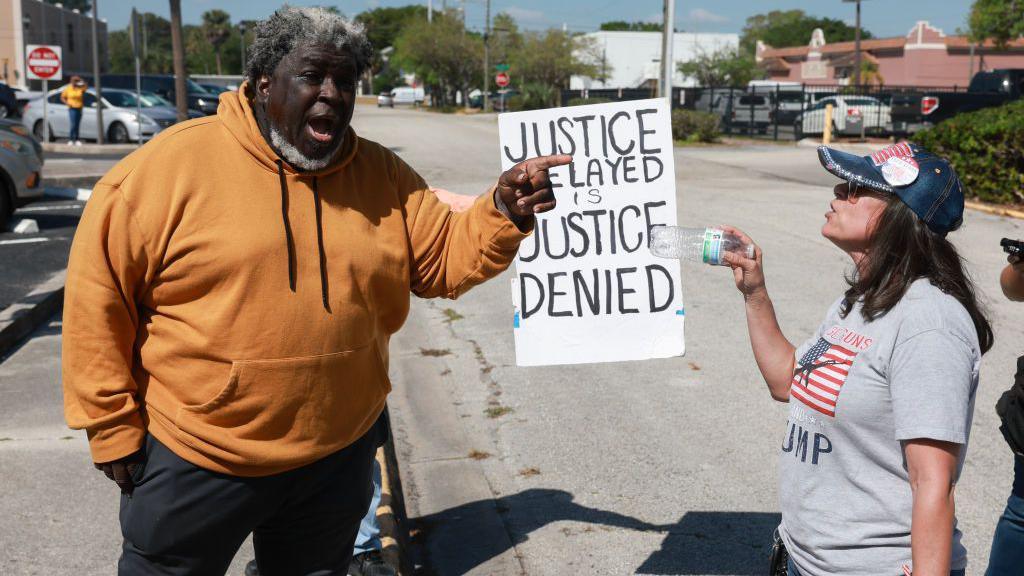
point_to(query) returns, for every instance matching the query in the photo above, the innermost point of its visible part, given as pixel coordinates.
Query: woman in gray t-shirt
(882, 395)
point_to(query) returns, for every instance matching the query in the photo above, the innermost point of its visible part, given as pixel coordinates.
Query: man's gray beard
(298, 159)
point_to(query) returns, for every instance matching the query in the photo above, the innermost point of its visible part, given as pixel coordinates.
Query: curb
(1008, 212)
(89, 148)
(391, 514)
(19, 319)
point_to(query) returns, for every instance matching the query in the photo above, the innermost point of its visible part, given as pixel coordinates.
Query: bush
(987, 150)
(585, 101)
(693, 126)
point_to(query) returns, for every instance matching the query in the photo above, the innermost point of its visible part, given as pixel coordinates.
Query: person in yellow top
(73, 96)
(231, 293)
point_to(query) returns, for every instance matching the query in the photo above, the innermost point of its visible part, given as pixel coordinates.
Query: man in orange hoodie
(232, 289)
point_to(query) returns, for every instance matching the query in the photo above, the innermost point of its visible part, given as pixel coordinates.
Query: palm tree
(217, 29)
(178, 48)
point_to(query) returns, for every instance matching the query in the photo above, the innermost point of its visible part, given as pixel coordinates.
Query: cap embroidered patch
(900, 170)
(896, 150)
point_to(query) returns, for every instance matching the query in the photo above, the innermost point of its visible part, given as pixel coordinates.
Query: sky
(883, 18)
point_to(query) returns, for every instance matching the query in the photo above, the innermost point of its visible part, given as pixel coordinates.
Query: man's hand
(121, 471)
(525, 189)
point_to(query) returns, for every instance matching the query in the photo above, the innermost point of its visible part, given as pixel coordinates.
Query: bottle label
(713, 246)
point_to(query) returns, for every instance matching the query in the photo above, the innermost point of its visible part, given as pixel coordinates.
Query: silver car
(21, 166)
(120, 123)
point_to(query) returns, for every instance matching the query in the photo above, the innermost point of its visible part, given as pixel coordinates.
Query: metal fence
(782, 111)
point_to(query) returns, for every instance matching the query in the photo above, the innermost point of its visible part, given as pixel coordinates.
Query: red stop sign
(502, 79)
(44, 62)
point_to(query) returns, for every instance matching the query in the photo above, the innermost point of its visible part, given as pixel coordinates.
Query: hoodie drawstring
(290, 240)
(320, 245)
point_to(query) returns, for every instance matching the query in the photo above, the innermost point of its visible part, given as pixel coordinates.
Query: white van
(407, 95)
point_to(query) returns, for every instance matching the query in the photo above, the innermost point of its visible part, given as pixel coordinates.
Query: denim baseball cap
(926, 183)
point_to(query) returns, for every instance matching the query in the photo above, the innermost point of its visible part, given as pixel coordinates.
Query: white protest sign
(587, 289)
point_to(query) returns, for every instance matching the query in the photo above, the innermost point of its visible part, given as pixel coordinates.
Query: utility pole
(487, 59)
(856, 49)
(430, 11)
(667, 59)
(96, 74)
(241, 35)
(178, 49)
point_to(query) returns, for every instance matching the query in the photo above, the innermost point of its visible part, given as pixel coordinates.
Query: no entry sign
(501, 79)
(43, 62)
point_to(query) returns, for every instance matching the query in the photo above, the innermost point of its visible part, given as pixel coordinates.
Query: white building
(635, 57)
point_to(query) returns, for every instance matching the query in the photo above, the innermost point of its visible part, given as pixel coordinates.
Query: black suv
(163, 84)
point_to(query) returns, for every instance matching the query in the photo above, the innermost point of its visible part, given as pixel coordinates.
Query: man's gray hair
(290, 26)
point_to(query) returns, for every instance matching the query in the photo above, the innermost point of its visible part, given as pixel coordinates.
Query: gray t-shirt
(860, 389)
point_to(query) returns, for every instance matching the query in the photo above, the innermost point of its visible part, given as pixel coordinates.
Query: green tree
(723, 67)
(506, 40)
(80, 5)
(156, 57)
(383, 25)
(782, 28)
(623, 26)
(216, 29)
(997, 20)
(552, 57)
(443, 54)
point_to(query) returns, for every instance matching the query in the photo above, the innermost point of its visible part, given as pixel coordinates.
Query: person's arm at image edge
(774, 354)
(1012, 279)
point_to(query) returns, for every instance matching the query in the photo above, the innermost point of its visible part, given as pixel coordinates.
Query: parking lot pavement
(29, 259)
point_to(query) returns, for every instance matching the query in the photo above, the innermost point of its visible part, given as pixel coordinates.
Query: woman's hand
(748, 273)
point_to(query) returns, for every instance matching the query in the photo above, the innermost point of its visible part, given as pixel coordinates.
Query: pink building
(924, 57)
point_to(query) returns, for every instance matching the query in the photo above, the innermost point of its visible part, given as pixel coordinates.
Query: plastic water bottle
(697, 244)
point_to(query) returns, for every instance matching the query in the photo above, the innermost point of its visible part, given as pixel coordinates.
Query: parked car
(749, 112)
(912, 111)
(120, 124)
(872, 112)
(8, 101)
(407, 95)
(163, 84)
(21, 165)
(215, 89)
(152, 105)
(385, 99)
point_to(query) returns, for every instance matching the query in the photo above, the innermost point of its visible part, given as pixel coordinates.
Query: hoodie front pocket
(288, 404)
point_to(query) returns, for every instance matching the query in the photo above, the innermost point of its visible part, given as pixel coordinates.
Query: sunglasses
(852, 189)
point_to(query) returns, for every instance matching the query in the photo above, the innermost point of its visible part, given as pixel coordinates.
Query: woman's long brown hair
(903, 249)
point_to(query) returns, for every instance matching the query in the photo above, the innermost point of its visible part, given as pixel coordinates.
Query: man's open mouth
(322, 128)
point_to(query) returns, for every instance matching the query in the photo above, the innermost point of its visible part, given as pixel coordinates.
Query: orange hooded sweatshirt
(240, 311)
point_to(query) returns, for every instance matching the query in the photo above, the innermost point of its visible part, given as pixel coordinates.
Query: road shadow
(700, 543)
(709, 542)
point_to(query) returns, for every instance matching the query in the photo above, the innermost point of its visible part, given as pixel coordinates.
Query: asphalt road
(658, 467)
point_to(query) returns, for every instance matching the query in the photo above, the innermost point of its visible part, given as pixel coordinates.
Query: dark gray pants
(182, 519)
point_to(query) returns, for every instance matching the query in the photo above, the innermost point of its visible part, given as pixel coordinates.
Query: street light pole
(96, 74)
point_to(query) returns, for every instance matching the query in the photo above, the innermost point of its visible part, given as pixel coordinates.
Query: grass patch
(498, 411)
(435, 352)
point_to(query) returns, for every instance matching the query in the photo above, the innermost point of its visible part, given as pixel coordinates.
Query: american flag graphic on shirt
(820, 375)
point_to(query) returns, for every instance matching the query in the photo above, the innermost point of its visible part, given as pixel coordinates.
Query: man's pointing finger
(546, 162)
